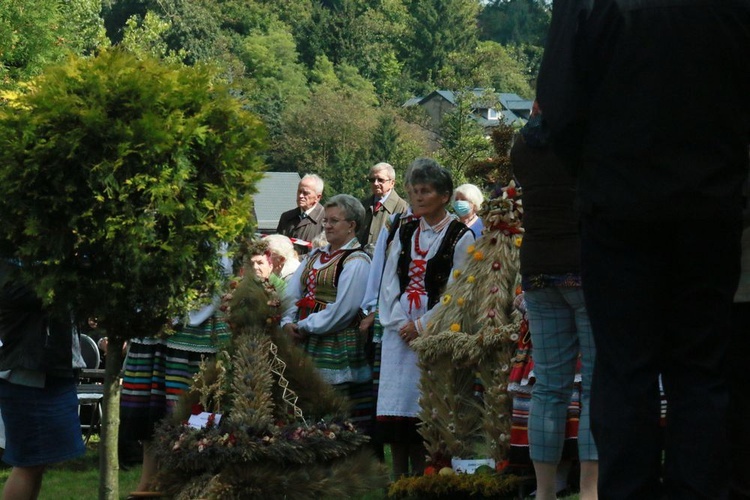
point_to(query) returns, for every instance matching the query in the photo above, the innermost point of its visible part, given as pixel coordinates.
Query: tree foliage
(516, 22)
(490, 66)
(397, 142)
(279, 54)
(463, 141)
(120, 178)
(330, 136)
(122, 175)
(145, 38)
(35, 33)
(438, 28)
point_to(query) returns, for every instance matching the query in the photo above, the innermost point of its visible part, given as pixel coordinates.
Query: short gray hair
(281, 245)
(472, 194)
(318, 182)
(384, 166)
(351, 206)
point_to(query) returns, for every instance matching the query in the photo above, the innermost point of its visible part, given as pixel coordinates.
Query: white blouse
(349, 293)
(395, 307)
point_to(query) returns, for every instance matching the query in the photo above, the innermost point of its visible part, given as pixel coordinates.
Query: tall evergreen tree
(515, 21)
(439, 27)
(385, 141)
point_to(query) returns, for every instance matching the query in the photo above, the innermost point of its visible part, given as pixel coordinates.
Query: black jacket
(32, 339)
(648, 101)
(551, 243)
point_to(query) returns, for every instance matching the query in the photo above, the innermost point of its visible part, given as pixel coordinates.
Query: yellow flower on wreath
(456, 273)
(446, 299)
(478, 255)
(460, 301)
(471, 278)
(471, 248)
(455, 327)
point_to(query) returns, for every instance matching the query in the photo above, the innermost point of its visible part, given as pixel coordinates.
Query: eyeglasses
(332, 222)
(373, 180)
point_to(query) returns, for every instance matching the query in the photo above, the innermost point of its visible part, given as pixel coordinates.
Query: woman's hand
(408, 332)
(366, 323)
(295, 333)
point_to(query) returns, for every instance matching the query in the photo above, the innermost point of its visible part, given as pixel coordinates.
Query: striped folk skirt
(158, 371)
(342, 362)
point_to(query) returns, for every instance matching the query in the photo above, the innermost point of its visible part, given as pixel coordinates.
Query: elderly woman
(260, 260)
(421, 259)
(326, 292)
(283, 255)
(467, 200)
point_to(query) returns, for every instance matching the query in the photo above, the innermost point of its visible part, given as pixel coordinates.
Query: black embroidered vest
(438, 267)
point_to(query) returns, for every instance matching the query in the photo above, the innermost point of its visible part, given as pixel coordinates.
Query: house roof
(521, 108)
(277, 193)
(412, 102)
(514, 107)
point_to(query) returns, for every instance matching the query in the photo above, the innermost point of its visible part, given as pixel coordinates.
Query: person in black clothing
(39, 358)
(660, 191)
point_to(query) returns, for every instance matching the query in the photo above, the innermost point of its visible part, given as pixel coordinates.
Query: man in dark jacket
(38, 361)
(305, 222)
(623, 87)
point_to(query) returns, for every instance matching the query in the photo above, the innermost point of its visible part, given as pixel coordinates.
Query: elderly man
(306, 221)
(383, 203)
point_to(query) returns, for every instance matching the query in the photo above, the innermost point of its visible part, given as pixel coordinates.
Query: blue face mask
(462, 208)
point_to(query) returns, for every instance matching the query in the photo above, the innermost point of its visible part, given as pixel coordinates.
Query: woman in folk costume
(370, 324)
(158, 370)
(326, 292)
(421, 260)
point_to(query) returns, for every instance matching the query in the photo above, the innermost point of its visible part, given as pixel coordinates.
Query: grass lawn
(79, 479)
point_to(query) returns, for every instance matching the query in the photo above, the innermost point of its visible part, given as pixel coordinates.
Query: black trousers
(659, 296)
(739, 402)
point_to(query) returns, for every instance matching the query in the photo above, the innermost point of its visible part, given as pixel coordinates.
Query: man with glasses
(304, 223)
(383, 203)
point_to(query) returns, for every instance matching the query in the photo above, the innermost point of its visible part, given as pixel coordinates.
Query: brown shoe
(135, 495)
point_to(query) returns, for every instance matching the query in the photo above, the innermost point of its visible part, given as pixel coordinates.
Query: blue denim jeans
(560, 330)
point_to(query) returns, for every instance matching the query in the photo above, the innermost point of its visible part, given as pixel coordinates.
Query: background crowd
(634, 242)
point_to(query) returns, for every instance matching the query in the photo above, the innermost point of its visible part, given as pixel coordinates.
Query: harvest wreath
(269, 425)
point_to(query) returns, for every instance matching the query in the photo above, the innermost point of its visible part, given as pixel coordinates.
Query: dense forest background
(328, 78)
